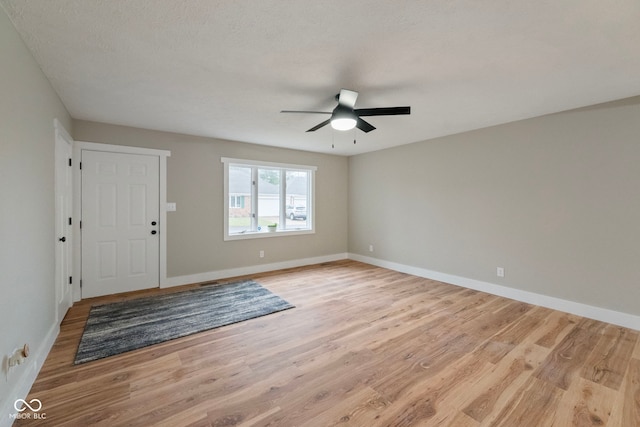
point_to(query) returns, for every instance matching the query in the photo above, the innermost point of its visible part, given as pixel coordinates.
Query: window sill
(263, 234)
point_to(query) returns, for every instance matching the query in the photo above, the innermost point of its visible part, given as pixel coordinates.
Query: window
(236, 201)
(261, 194)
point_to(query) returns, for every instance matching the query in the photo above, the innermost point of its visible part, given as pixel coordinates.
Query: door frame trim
(61, 134)
(162, 155)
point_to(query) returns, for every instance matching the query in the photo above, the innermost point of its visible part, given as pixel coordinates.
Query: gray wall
(554, 200)
(195, 182)
(28, 106)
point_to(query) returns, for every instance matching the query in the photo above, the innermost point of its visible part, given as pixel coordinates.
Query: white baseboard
(27, 376)
(243, 271)
(597, 313)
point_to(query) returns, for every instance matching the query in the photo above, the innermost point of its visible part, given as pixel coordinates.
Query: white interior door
(63, 206)
(120, 216)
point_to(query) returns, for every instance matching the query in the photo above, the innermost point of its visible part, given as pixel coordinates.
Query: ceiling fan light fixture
(343, 123)
(343, 118)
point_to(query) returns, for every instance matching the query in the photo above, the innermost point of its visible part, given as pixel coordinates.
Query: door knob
(153, 231)
(153, 223)
(62, 239)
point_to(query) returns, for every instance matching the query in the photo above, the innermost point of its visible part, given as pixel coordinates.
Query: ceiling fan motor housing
(342, 112)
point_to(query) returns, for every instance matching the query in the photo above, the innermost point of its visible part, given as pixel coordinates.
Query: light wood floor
(364, 347)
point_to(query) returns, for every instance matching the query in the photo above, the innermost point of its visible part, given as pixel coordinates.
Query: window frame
(283, 167)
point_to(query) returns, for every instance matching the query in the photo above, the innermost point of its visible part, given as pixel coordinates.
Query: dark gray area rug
(124, 326)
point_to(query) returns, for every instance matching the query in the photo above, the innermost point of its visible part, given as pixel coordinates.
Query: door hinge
(80, 223)
(80, 283)
(70, 280)
(80, 165)
(69, 162)
(70, 223)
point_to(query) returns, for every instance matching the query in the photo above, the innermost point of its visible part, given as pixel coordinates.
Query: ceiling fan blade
(388, 111)
(364, 126)
(306, 112)
(347, 98)
(316, 127)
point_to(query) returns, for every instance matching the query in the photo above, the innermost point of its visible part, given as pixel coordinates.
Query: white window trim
(254, 200)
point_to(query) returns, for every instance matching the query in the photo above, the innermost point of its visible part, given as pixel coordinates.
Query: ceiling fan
(346, 117)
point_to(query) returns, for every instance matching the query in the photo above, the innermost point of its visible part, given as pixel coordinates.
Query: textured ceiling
(225, 69)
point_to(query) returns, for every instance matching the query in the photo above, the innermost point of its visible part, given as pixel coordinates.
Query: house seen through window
(266, 198)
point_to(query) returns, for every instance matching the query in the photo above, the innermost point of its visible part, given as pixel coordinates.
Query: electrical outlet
(261, 254)
(370, 248)
(500, 271)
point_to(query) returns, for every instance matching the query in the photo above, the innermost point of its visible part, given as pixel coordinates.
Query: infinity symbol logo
(24, 402)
